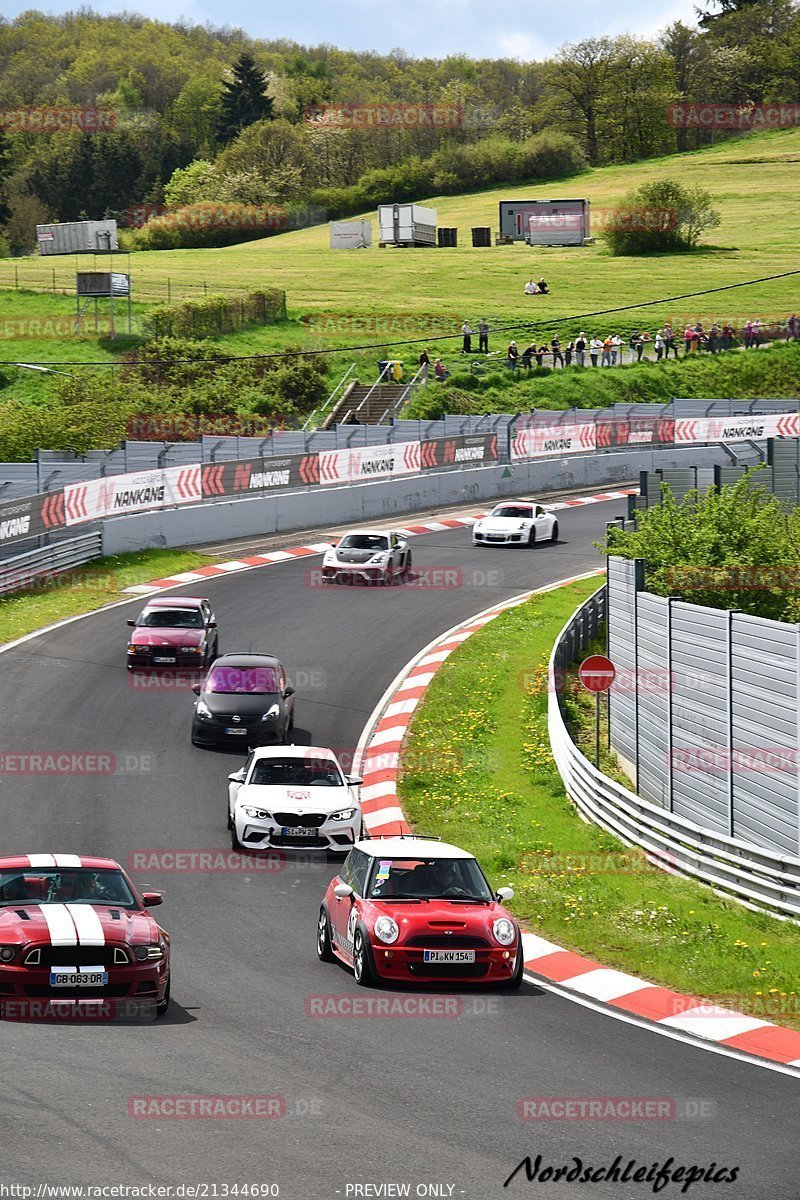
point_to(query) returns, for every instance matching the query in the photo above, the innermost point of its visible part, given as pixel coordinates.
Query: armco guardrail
(767, 879)
(25, 570)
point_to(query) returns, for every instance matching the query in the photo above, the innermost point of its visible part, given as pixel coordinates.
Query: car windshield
(519, 511)
(302, 772)
(171, 618)
(428, 879)
(364, 541)
(252, 681)
(60, 885)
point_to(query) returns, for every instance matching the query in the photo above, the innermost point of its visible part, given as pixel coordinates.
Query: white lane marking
(41, 860)
(606, 984)
(60, 925)
(88, 925)
(67, 860)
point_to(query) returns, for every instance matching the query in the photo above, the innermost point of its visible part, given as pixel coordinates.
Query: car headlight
(203, 711)
(272, 713)
(259, 814)
(379, 558)
(344, 814)
(504, 931)
(7, 953)
(190, 649)
(386, 929)
(145, 953)
(134, 649)
(522, 525)
(330, 556)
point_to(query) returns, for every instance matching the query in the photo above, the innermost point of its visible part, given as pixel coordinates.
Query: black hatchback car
(245, 700)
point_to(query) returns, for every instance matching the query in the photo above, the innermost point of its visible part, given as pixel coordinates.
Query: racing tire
(515, 982)
(235, 843)
(554, 534)
(407, 567)
(363, 970)
(385, 578)
(163, 1005)
(230, 821)
(532, 536)
(324, 949)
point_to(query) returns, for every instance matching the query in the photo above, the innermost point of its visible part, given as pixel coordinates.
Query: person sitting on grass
(531, 288)
(543, 288)
(439, 370)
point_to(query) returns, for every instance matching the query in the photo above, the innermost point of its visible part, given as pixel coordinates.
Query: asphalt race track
(367, 1100)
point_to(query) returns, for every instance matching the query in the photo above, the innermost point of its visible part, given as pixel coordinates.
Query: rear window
(252, 681)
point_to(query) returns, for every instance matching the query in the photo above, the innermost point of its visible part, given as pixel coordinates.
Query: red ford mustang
(174, 631)
(413, 909)
(76, 931)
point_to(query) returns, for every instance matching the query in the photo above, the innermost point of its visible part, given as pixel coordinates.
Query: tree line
(198, 113)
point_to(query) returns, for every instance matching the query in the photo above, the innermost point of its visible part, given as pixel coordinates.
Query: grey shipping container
(77, 237)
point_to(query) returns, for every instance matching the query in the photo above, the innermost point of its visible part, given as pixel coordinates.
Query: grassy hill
(425, 292)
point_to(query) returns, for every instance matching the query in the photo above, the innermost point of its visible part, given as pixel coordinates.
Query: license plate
(161, 659)
(235, 731)
(73, 977)
(448, 956)
(298, 831)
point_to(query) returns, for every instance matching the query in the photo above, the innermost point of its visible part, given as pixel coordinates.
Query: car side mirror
(288, 691)
(237, 776)
(342, 891)
(132, 624)
(212, 624)
(354, 780)
(151, 899)
(196, 689)
(505, 893)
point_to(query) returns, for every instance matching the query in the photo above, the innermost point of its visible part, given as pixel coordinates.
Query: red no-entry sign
(597, 673)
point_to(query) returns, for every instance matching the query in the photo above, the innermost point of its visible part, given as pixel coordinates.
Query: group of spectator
(610, 351)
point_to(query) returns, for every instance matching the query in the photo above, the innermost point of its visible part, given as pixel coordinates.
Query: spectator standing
(756, 331)
(466, 333)
(513, 355)
(424, 362)
(580, 350)
(688, 334)
(713, 338)
(792, 328)
(616, 349)
(633, 343)
(747, 334)
(527, 355)
(483, 336)
(659, 344)
(555, 350)
(669, 341)
(605, 360)
(539, 355)
(728, 334)
(595, 348)
(644, 340)
(568, 353)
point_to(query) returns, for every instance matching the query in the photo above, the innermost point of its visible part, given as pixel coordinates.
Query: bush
(660, 218)
(207, 225)
(215, 315)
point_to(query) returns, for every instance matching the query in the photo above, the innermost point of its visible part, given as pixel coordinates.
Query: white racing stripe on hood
(67, 860)
(41, 860)
(88, 925)
(60, 925)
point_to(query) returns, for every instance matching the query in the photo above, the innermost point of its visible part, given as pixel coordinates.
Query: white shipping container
(350, 235)
(415, 225)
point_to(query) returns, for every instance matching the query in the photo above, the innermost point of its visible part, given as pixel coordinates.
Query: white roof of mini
(294, 752)
(410, 847)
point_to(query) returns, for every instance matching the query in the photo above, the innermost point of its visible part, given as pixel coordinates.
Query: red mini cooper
(75, 931)
(415, 909)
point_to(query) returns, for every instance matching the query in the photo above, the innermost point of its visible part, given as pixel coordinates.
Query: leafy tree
(244, 99)
(734, 547)
(581, 74)
(660, 217)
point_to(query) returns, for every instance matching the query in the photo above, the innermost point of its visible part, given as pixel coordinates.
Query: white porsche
(373, 555)
(519, 522)
(293, 797)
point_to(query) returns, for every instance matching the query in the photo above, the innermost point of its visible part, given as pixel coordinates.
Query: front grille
(75, 956)
(437, 941)
(450, 970)
(307, 820)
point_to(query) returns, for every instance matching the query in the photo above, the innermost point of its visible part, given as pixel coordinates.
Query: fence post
(638, 586)
(54, 279)
(729, 715)
(670, 689)
(169, 290)
(797, 728)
